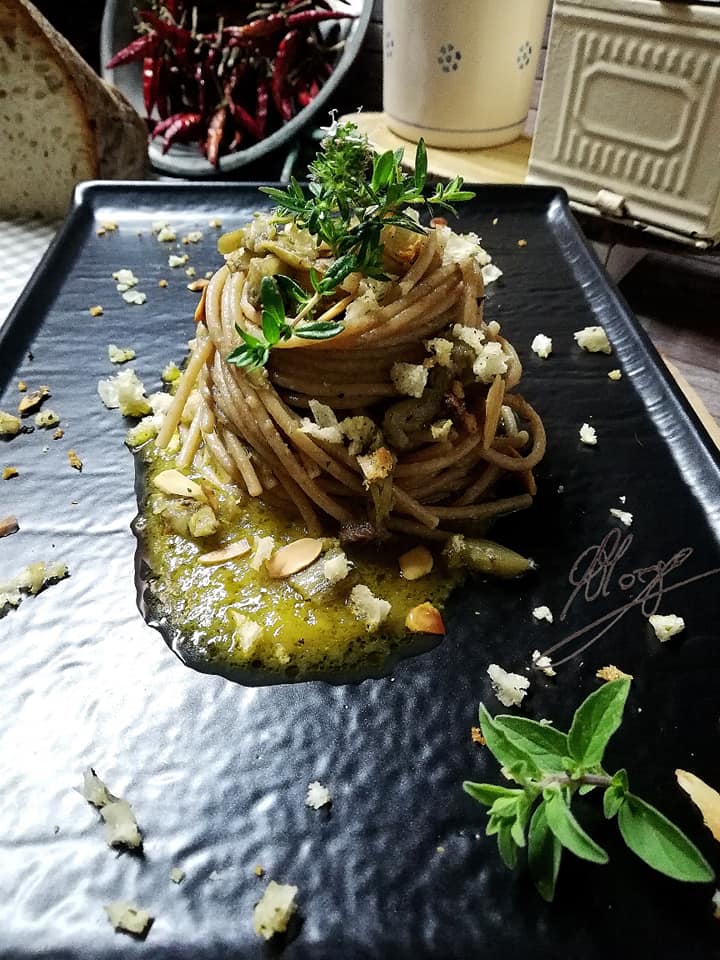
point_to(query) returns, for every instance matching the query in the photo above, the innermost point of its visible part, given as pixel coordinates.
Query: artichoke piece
(484, 556)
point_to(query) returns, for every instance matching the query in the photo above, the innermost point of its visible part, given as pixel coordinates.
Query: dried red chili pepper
(136, 50)
(261, 108)
(273, 23)
(178, 127)
(280, 84)
(167, 31)
(215, 135)
(304, 17)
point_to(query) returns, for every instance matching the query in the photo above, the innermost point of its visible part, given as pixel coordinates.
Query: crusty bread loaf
(60, 122)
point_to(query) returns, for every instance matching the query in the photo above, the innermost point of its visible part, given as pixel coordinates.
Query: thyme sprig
(253, 352)
(353, 193)
(551, 769)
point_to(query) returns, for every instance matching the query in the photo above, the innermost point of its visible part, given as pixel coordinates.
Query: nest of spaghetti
(407, 421)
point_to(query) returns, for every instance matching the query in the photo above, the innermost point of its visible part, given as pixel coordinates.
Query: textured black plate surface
(217, 772)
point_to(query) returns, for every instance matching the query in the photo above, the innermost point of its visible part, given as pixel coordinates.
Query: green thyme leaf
(661, 844)
(320, 330)
(544, 853)
(340, 269)
(292, 291)
(273, 310)
(568, 831)
(420, 166)
(596, 720)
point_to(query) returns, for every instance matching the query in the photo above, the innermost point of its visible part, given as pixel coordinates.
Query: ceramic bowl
(186, 160)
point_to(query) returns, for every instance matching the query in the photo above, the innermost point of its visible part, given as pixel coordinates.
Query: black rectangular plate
(217, 773)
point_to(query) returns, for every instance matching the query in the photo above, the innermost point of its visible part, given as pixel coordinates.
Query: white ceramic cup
(460, 73)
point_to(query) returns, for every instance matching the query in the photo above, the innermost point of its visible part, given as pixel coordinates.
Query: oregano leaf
(488, 793)
(596, 720)
(660, 844)
(420, 165)
(568, 831)
(544, 853)
(546, 745)
(502, 748)
(507, 846)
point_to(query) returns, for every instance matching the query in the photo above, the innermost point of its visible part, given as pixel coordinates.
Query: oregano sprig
(552, 768)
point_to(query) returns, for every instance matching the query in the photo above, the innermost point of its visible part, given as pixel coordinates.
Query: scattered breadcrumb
(108, 225)
(409, 378)
(543, 663)
(166, 235)
(46, 418)
(128, 918)
(705, 798)
(121, 828)
(336, 567)
(272, 914)
(522, 243)
(367, 607)
(195, 236)
(415, 563)
(264, 547)
(125, 279)
(615, 375)
(495, 221)
(509, 688)
(666, 626)
(170, 373)
(593, 339)
(134, 297)
(177, 875)
(8, 526)
(10, 472)
(622, 515)
(75, 461)
(9, 424)
(215, 223)
(120, 354)
(162, 283)
(174, 260)
(476, 736)
(440, 431)
(22, 386)
(125, 391)
(31, 579)
(543, 613)
(588, 435)
(259, 870)
(96, 311)
(317, 795)
(542, 345)
(208, 274)
(611, 672)
(191, 272)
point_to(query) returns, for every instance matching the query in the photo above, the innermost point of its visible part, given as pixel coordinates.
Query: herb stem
(310, 305)
(564, 780)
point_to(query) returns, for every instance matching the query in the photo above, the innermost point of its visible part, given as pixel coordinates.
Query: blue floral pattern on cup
(524, 54)
(449, 57)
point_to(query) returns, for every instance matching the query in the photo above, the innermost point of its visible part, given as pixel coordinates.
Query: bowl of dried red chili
(222, 83)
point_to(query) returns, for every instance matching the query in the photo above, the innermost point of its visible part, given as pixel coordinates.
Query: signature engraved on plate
(596, 573)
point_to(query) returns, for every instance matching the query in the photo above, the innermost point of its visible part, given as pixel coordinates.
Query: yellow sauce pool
(300, 636)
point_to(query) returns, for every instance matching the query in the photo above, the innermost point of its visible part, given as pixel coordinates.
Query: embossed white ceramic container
(460, 73)
(629, 119)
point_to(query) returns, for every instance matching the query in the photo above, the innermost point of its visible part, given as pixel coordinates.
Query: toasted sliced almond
(197, 285)
(231, 552)
(177, 485)
(31, 402)
(416, 563)
(293, 557)
(425, 618)
(704, 797)
(75, 461)
(8, 525)
(199, 314)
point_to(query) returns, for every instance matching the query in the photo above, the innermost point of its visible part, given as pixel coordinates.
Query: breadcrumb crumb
(611, 672)
(75, 461)
(476, 736)
(10, 472)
